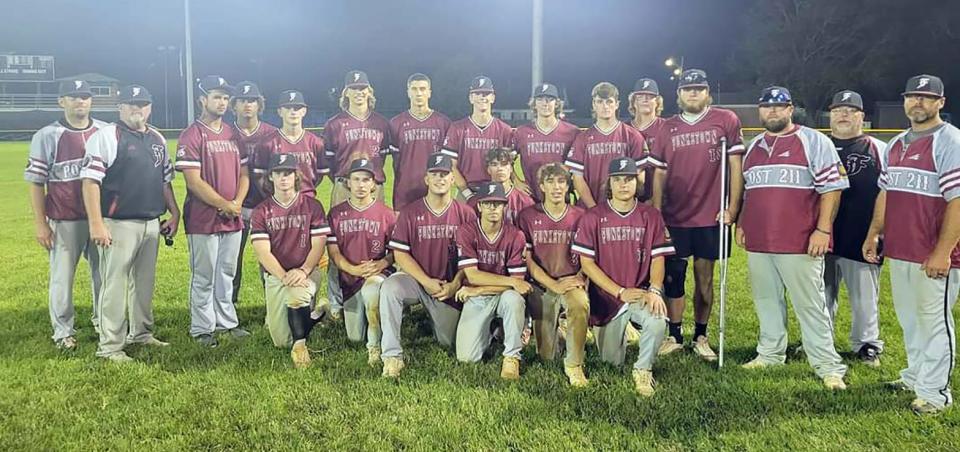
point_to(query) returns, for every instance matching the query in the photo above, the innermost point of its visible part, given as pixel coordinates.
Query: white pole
(189, 58)
(537, 55)
(724, 244)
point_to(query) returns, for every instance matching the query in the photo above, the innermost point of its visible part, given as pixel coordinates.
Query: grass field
(246, 395)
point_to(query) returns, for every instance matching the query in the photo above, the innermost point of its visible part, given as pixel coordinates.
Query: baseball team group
(587, 244)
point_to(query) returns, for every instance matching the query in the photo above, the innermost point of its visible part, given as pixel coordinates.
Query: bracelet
(620, 293)
(656, 290)
(823, 232)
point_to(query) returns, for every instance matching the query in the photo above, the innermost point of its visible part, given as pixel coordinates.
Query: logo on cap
(363, 162)
(136, 91)
(491, 188)
(246, 89)
(221, 81)
(846, 97)
(356, 76)
(77, 84)
(774, 92)
(623, 163)
(482, 81)
(438, 160)
(292, 96)
(924, 81)
(646, 83)
(283, 158)
(543, 89)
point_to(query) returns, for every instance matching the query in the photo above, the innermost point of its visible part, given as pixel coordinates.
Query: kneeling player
(491, 258)
(549, 228)
(622, 244)
(360, 229)
(287, 233)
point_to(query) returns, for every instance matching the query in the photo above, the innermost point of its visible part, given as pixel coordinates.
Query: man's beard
(920, 117)
(693, 108)
(775, 125)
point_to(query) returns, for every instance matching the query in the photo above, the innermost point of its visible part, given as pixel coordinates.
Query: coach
(126, 187)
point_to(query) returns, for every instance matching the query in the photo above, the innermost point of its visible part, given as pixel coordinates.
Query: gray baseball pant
(863, 291)
(544, 307)
(71, 239)
(400, 290)
(213, 263)
(612, 341)
(361, 313)
(473, 329)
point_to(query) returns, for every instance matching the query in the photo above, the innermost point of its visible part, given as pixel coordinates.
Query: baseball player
(687, 154)
(645, 105)
(291, 138)
(549, 228)
(356, 132)
(793, 182)
(622, 243)
(547, 139)
(360, 229)
(416, 133)
(917, 213)
(860, 155)
(468, 139)
(424, 247)
(500, 169)
(53, 170)
(247, 106)
(126, 187)
(288, 233)
(595, 147)
(491, 256)
(217, 182)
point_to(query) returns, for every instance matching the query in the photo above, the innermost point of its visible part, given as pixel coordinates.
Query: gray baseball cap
(924, 84)
(847, 98)
(134, 94)
(75, 88)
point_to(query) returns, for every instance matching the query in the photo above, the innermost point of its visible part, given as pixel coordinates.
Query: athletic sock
(676, 331)
(699, 329)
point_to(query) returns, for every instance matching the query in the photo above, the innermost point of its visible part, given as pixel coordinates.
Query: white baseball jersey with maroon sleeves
(55, 160)
(784, 178)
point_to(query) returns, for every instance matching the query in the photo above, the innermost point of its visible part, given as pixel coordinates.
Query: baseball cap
(212, 82)
(439, 162)
(356, 79)
(362, 165)
(693, 78)
(646, 86)
(75, 88)
(928, 85)
(546, 90)
(247, 90)
(291, 98)
(847, 98)
(279, 162)
(622, 166)
(489, 192)
(481, 84)
(134, 94)
(775, 95)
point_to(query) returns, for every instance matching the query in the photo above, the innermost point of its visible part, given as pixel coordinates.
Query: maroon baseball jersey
(361, 235)
(289, 228)
(55, 160)
(650, 133)
(216, 154)
(503, 255)
(539, 147)
(691, 153)
(593, 150)
(308, 150)
(413, 141)
(784, 177)
(249, 143)
(920, 172)
(468, 143)
(550, 239)
(623, 246)
(516, 201)
(349, 138)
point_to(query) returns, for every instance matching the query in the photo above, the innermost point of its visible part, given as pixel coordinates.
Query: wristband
(657, 291)
(620, 293)
(822, 231)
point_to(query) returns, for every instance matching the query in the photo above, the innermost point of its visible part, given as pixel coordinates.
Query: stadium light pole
(677, 68)
(189, 58)
(537, 54)
(165, 52)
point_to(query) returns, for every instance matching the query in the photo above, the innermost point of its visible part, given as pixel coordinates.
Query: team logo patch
(283, 159)
(856, 163)
(77, 84)
(181, 151)
(356, 76)
(924, 81)
(646, 83)
(623, 163)
(846, 97)
(544, 88)
(221, 81)
(784, 154)
(246, 89)
(158, 151)
(136, 91)
(438, 159)
(491, 189)
(293, 96)
(482, 82)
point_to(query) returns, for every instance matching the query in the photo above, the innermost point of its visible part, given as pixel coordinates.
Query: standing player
(424, 246)
(217, 182)
(53, 170)
(621, 244)
(360, 229)
(469, 139)
(545, 140)
(606, 140)
(687, 156)
(793, 182)
(356, 132)
(288, 234)
(293, 139)
(491, 258)
(126, 188)
(500, 169)
(645, 105)
(248, 105)
(416, 133)
(860, 155)
(549, 228)
(917, 213)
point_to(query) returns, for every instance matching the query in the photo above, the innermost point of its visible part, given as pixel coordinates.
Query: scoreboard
(26, 68)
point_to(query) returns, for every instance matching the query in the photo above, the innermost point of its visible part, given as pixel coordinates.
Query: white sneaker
(702, 348)
(669, 346)
(643, 382)
(392, 366)
(759, 363)
(120, 357)
(373, 356)
(834, 382)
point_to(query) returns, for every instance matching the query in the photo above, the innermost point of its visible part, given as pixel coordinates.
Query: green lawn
(246, 395)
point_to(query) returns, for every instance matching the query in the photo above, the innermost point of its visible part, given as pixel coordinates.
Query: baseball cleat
(921, 407)
(834, 382)
(207, 340)
(300, 355)
(392, 366)
(869, 355)
(510, 369)
(631, 335)
(898, 385)
(373, 356)
(576, 376)
(669, 346)
(67, 343)
(643, 382)
(759, 363)
(702, 348)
